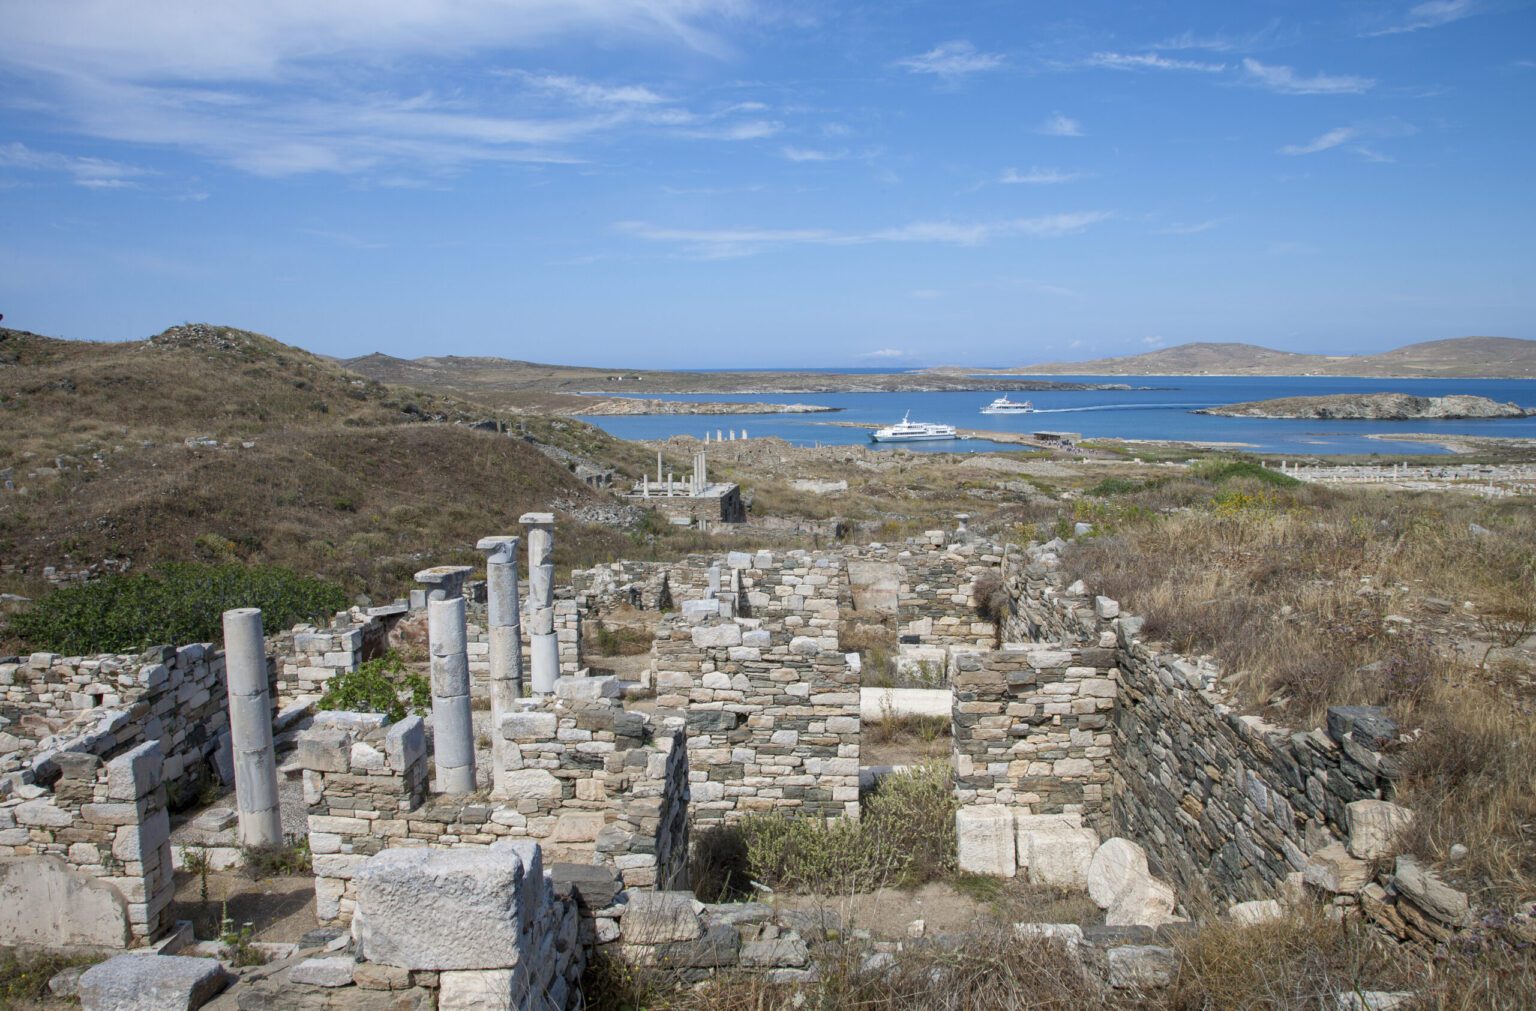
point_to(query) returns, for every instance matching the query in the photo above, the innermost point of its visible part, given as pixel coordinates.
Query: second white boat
(912, 431)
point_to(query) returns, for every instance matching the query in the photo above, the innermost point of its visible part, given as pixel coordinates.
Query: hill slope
(216, 443)
(1503, 357)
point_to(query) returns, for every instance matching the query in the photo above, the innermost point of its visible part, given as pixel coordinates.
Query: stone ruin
(1084, 757)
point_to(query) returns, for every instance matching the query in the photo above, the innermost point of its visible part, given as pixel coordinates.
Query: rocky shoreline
(1372, 407)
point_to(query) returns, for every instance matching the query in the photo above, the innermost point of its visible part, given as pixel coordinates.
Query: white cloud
(811, 154)
(279, 87)
(1150, 61)
(1037, 176)
(952, 60)
(752, 129)
(1333, 138)
(91, 173)
(724, 242)
(1431, 14)
(1286, 81)
(1060, 126)
(884, 353)
(1153, 342)
(1190, 228)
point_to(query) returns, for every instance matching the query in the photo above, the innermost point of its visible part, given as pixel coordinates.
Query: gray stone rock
(45, 902)
(332, 970)
(443, 909)
(151, 983)
(659, 918)
(1375, 827)
(1114, 865)
(1370, 725)
(1424, 889)
(787, 951)
(1141, 966)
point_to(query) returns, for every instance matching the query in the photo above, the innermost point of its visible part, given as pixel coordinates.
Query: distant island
(1372, 407)
(1458, 357)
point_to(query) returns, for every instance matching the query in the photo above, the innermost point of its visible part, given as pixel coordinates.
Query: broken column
(542, 642)
(506, 634)
(250, 728)
(453, 729)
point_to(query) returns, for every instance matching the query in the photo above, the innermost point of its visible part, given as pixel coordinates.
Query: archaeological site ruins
(535, 816)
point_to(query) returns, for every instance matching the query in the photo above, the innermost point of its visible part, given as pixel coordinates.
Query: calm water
(1161, 413)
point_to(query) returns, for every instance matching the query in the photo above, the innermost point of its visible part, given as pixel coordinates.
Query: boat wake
(1113, 407)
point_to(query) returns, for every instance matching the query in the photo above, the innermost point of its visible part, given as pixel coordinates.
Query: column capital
(445, 581)
(499, 548)
(537, 519)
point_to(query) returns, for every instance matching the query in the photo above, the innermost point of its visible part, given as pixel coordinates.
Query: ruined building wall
(605, 587)
(772, 715)
(1224, 803)
(590, 782)
(934, 593)
(1032, 729)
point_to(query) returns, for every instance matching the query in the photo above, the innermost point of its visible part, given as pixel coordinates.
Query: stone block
(984, 835)
(482, 990)
(405, 743)
(45, 902)
(1141, 966)
(1251, 914)
(136, 773)
(329, 971)
(1058, 857)
(1375, 826)
(1145, 902)
(531, 784)
(660, 918)
(529, 726)
(1332, 869)
(1425, 889)
(1115, 865)
(42, 813)
(717, 636)
(442, 909)
(324, 749)
(151, 983)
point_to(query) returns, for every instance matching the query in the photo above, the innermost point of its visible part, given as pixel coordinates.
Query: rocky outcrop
(1372, 407)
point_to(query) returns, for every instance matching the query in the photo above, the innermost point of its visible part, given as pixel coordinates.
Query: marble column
(250, 728)
(504, 619)
(542, 642)
(453, 727)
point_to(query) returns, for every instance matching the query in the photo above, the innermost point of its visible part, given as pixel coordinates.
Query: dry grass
(1301, 593)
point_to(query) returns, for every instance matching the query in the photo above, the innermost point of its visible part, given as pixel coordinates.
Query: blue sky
(698, 183)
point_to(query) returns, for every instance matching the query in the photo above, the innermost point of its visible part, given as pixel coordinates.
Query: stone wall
(103, 705)
(933, 595)
(772, 714)
(97, 824)
(640, 584)
(1226, 804)
(1032, 728)
(308, 656)
(590, 782)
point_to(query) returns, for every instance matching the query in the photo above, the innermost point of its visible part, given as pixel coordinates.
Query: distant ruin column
(542, 642)
(453, 728)
(504, 618)
(250, 728)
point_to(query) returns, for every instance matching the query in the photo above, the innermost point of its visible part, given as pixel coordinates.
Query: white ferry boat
(1002, 405)
(912, 431)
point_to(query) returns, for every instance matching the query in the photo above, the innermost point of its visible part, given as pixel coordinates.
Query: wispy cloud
(1150, 61)
(725, 242)
(1058, 125)
(952, 60)
(1322, 142)
(885, 353)
(752, 129)
(1153, 342)
(1286, 81)
(1190, 228)
(91, 173)
(1431, 14)
(811, 154)
(1037, 176)
(287, 88)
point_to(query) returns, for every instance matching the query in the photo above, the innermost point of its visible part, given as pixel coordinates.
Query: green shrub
(382, 685)
(174, 604)
(905, 836)
(1220, 471)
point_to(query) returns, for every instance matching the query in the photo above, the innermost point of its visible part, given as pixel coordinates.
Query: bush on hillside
(175, 604)
(1221, 471)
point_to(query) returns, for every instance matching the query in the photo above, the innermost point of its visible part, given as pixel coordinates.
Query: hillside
(214, 443)
(1461, 357)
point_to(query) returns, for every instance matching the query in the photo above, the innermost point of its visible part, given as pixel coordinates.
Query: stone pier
(542, 641)
(504, 626)
(250, 725)
(452, 725)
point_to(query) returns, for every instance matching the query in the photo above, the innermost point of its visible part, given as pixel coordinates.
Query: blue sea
(1162, 412)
